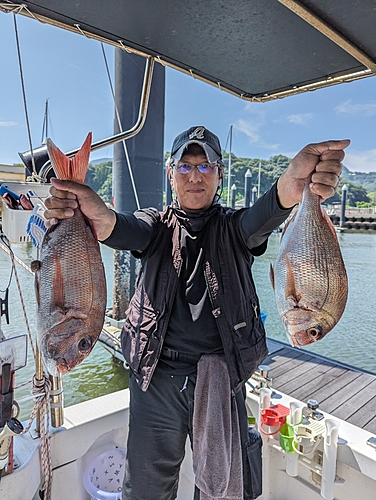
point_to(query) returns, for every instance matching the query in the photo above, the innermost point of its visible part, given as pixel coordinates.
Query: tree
(99, 178)
(355, 194)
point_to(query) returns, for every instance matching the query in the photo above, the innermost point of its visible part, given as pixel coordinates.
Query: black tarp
(250, 47)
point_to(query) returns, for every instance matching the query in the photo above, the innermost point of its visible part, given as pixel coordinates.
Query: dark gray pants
(160, 420)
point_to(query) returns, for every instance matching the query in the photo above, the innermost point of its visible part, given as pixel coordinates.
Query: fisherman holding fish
(193, 333)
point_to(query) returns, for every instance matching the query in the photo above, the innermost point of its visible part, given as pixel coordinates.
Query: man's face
(195, 190)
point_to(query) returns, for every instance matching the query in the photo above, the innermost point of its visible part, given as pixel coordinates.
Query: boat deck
(342, 390)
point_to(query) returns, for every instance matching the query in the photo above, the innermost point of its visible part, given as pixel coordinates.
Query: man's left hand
(323, 161)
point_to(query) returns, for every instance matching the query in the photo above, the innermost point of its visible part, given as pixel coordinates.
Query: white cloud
(252, 129)
(289, 154)
(8, 124)
(366, 109)
(300, 118)
(355, 161)
(361, 161)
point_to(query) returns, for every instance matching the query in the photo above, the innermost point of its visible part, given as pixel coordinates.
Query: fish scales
(71, 289)
(309, 275)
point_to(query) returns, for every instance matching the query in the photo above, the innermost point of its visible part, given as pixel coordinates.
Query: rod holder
(12, 428)
(287, 437)
(308, 435)
(329, 458)
(273, 419)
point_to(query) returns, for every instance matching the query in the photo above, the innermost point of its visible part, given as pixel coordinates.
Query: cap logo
(198, 133)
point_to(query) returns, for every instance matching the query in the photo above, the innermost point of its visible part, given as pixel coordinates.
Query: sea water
(351, 341)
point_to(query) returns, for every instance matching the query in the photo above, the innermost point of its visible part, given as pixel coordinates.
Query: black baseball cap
(201, 136)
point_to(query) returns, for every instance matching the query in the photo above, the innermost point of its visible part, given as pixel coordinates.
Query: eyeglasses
(204, 168)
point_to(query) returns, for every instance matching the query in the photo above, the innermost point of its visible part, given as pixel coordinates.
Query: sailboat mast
(45, 124)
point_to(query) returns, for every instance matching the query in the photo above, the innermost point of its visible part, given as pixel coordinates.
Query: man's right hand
(68, 195)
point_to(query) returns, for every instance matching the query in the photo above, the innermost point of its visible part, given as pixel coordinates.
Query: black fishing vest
(235, 305)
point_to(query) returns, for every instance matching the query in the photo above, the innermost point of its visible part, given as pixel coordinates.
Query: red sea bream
(309, 276)
(69, 278)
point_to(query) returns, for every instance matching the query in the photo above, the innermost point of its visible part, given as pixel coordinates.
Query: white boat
(333, 458)
(342, 471)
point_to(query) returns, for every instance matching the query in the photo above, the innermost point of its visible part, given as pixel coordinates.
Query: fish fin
(289, 221)
(67, 169)
(81, 161)
(58, 285)
(60, 162)
(37, 290)
(329, 221)
(73, 313)
(290, 290)
(271, 274)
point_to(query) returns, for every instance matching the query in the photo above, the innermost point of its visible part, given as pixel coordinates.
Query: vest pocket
(139, 334)
(247, 329)
(249, 338)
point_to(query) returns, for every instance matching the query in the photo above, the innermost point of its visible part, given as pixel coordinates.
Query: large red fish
(309, 276)
(69, 278)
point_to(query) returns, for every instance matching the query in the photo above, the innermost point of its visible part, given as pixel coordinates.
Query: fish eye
(84, 344)
(315, 332)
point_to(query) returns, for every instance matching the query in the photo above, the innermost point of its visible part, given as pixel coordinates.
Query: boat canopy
(257, 49)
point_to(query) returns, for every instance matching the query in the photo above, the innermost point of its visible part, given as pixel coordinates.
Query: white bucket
(103, 478)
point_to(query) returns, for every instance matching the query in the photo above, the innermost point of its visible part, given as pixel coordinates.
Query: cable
(121, 130)
(24, 95)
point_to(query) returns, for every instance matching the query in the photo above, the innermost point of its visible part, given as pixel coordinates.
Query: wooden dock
(342, 390)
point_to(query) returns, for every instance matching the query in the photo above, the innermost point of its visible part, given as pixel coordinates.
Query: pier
(356, 222)
(341, 390)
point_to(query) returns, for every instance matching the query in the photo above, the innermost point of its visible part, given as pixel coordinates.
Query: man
(193, 333)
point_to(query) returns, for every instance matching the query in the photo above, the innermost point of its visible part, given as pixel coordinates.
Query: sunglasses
(204, 168)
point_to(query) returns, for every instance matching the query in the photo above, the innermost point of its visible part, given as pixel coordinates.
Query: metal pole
(233, 195)
(38, 371)
(144, 154)
(57, 401)
(342, 221)
(254, 191)
(229, 170)
(247, 188)
(39, 378)
(259, 180)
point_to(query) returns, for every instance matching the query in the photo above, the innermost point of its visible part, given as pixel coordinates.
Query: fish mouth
(307, 336)
(62, 366)
(51, 367)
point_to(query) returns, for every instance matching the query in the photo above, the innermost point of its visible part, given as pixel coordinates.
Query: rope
(41, 390)
(7, 249)
(10, 252)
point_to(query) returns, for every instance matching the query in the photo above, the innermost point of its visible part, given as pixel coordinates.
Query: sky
(69, 70)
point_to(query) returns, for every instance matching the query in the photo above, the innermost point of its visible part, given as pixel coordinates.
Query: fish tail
(74, 169)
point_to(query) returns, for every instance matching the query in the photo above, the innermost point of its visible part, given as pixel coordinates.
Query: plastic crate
(14, 222)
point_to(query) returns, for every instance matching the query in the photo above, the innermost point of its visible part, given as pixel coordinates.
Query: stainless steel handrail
(127, 134)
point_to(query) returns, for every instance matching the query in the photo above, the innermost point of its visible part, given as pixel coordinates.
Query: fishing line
(3, 237)
(24, 95)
